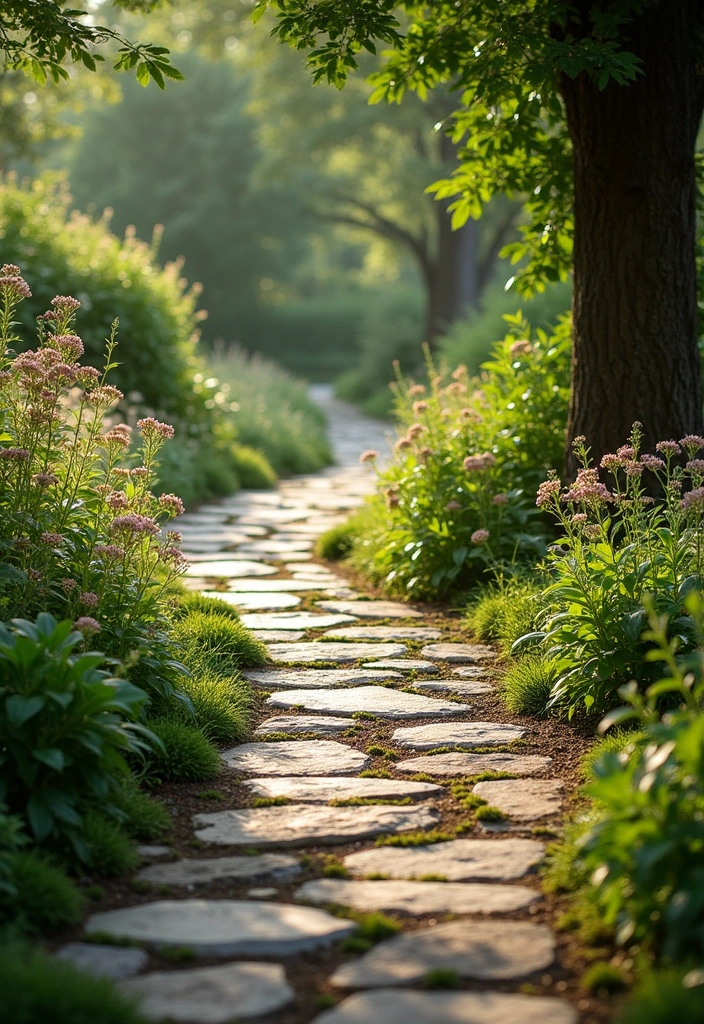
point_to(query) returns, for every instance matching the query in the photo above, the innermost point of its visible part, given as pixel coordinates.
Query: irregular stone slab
(316, 678)
(462, 688)
(321, 789)
(459, 653)
(417, 897)
(223, 927)
(324, 724)
(377, 700)
(200, 872)
(104, 961)
(221, 556)
(406, 665)
(295, 757)
(149, 850)
(483, 951)
(309, 824)
(399, 1006)
(457, 763)
(255, 601)
(458, 860)
(322, 650)
(230, 569)
(272, 586)
(262, 894)
(385, 633)
(523, 799)
(292, 620)
(211, 995)
(273, 636)
(470, 672)
(277, 547)
(372, 609)
(459, 734)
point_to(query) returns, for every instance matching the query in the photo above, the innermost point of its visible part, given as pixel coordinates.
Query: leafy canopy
(40, 36)
(505, 60)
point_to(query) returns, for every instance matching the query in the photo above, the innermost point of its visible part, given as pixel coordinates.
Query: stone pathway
(379, 677)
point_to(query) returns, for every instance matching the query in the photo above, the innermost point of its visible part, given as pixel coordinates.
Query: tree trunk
(635, 354)
(452, 277)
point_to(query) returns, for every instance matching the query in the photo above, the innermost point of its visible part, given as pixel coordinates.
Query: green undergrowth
(190, 601)
(270, 801)
(275, 737)
(41, 898)
(222, 704)
(186, 754)
(425, 838)
(506, 610)
(145, 817)
(371, 929)
(218, 642)
(370, 801)
(112, 851)
(665, 996)
(441, 978)
(527, 686)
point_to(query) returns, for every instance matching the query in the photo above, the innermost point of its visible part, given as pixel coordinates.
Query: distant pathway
(358, 699)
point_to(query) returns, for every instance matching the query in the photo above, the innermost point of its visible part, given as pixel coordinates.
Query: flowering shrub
(79, 525)
(470, 450)
(620, 544)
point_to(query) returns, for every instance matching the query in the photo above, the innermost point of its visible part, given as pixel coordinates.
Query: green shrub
(187, 755)
(217, 642)
(619, 546)
(252, 467)
(339, 541)
(603, 978)
(666, 996)
(527, 686)
(191, 601)
(506, 610)
(65, 727)
(145, 817)
(274, 412)
(43, 899)
(37, 987)
(457, 497)
(221, 704)
(112, 851)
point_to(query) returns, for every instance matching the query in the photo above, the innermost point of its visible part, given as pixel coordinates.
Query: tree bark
(452, 278)
(635, 353)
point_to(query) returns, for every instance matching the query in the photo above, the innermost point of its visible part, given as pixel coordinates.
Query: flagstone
(323, 724)
(292, 620)
(255, 601)
(310, 824)
(383, 701)
(523, 799)
(462, 688)
(256, 586)
(322, 789)
(314, 678)
(221, 555)
(399, 1006)
(470, 672)
(457, 860)
(276, 547)
(486, 950)
(295, 757)
(199, 872)
(407, 665)
(411, 897)
(272, 636)
(372, 609)
(213, 928)
(211, 995)
(103, 961)
(324, 650)
(458, 653)
(385, 633)
(458, 763)
(230, 569)
(458, 734)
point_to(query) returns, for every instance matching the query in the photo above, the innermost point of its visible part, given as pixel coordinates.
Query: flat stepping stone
(255, 601)
(399, 1006)
(104, 961)
(372, 609)
(523, 799)
(470, 672)
(256, 586)
(298, 825)
(324, 724)
(383, 701)
(463, 688)
(212, 928)
(417, 897)
(406, 665)
(200, 872)
(482, 950)
(292, 620)
(385, 633)
(321, 789)
(311, 567)
(459, 653)
(211, 995)
(316, 678)
(295, 757)
(277, 547)
(457, 763)
(322, 650)
(152, 850)
(227, 569)
(458, 860)
(458, 734)
(220, 555)
(272, 636)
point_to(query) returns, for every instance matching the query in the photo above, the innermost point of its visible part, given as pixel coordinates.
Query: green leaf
(51, 756)
(20, 709)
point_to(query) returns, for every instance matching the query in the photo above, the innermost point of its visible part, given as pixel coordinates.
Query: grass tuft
(527, 686)
(112, 851)
(43, 900)
(603, 978)
(188, 755)
(441, 977)
(217, 642)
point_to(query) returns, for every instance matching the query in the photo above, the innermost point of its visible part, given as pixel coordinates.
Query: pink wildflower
(460, 372)
(87, 625)
(89, 599)
(473, 463)
(592, 531)
(117, 438)
(415, 430)
(44, 479)
(425, 453)
(456, 388)
(453, 506)
(65, 303)
(626, 451)
(548, 490)
(134, 523)
(419, 407)
(172, 555)
(416, 389)
(480, 537)
(12, 282)
(117, 500)
(87, 375)
(579, 518)
(695, 466)
(140, 472)
(155, 428)
(109, 551)
(489, 459)
(692, 443)
(587, 488)
(369, 455)
(402, 443)
(668, 447)
(173, 536)
(106, 394)
(171, 503)
(521, 347)
(52, 539)
(69, 345)
(694, 500)
(67, 585)
(500, 499)
(652, 462)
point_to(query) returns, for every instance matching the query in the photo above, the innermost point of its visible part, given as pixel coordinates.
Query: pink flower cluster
(480, 537)
(548, 490)
(134, 524)
(171, 503)
(476, 462)
(587, 488)
(152, 428)
(12, 282)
